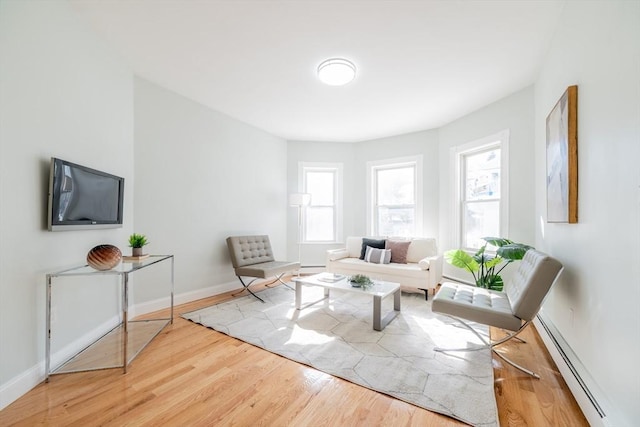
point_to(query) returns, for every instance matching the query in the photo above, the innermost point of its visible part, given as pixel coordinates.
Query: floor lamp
(299, 201)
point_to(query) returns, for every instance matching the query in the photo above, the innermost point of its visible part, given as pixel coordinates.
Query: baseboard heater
(563, 351)
(455, 279)
(597, 414)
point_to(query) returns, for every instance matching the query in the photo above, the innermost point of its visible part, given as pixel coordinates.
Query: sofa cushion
(378, 256)
(378, 244)
(354, 246)
(351, 266)
(421, 248)
(398, 250)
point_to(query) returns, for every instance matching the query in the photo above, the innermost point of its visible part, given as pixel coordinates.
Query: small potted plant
(360, 281)
(137, 242)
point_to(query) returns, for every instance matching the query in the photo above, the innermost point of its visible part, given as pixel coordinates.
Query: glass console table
(118, 347)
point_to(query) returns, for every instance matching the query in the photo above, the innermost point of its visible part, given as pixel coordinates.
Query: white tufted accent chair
(513, 309)
(252, 256)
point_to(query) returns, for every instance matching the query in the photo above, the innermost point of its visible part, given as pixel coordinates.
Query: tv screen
(83, 198)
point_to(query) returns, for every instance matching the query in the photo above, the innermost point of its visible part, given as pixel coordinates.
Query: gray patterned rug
(336, 337)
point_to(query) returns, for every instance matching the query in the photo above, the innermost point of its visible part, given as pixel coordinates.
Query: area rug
(337, 337)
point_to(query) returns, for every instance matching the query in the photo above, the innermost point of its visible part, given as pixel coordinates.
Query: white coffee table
(379, 290)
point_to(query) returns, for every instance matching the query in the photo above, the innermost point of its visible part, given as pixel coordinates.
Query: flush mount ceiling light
(336, 71)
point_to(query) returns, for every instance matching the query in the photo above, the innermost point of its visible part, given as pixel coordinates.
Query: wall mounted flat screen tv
(83, 198)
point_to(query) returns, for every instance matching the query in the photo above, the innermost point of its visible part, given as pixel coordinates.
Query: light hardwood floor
(193, 376)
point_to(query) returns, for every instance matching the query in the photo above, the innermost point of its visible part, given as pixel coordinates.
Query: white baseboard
(161, 303)
(588, 395)
(79, 344)
(22, 383)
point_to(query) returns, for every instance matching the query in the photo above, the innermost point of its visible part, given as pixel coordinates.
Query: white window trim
(338, 186)
(500, 139)
(398, 161)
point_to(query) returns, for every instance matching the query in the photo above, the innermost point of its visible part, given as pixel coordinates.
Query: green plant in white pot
(360, 281)
(486, 267)
(137, 242)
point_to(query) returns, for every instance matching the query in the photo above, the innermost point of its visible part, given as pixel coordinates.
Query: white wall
(62, 94)
(201, 177)
(515, 114)
(595, 304)
(354, 157)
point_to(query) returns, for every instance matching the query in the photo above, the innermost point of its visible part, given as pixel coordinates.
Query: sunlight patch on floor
(307, 337)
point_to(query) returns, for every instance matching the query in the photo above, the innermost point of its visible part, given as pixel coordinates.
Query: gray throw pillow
(378, 244)
(377, 256)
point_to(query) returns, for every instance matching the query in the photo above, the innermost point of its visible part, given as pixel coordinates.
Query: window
(481, 179)
(395, 207)
(322, 219)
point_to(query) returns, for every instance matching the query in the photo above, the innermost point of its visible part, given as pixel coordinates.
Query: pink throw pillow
(398, 250)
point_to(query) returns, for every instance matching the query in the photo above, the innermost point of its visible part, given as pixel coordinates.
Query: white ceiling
(421, 64)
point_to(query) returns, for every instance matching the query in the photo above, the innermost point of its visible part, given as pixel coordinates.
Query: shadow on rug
(337, 337)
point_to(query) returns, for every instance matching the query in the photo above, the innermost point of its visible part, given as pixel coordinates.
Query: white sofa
(423, 270)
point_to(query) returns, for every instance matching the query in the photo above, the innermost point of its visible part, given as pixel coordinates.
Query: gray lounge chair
(252, 256)
(512, 310)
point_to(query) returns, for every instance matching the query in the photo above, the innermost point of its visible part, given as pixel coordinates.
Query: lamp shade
(299, 199)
